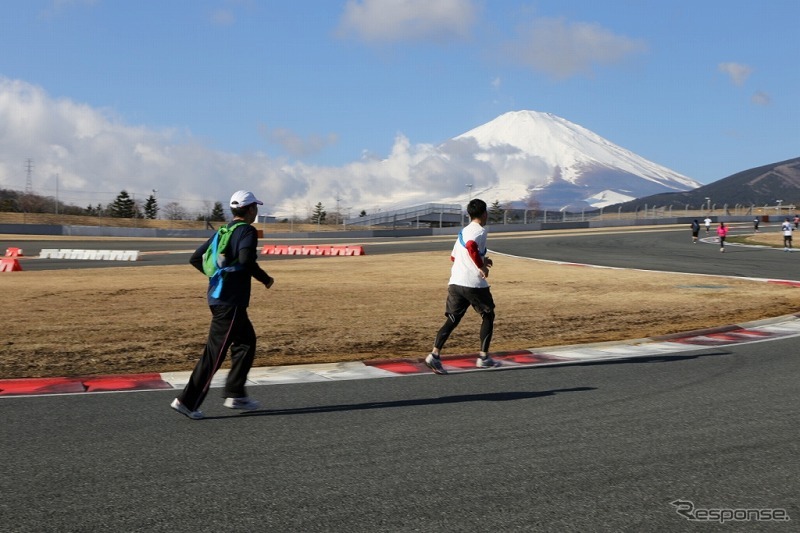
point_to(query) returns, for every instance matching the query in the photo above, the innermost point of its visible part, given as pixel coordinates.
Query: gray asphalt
(592, 447)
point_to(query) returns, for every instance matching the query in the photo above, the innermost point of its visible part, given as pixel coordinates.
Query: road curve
(612, 446)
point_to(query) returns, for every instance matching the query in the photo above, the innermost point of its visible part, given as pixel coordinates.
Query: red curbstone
(28, 386)
(129, 382)
(14, 252)
(31, 386)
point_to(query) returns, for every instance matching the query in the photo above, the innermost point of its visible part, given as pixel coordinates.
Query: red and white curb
(765, 330)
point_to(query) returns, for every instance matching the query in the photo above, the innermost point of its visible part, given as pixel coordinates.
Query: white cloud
(377, 21)
(563, 49)
(761, 98)
(95, 155)
(737, 72)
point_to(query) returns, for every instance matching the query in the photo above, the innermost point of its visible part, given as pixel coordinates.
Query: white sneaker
(185, 411)
(246, 403)
(487, 362)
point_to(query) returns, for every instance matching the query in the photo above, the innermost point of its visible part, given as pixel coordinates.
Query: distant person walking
(722, 232)
(695, 230)
(755, 224)
(708, 224)
(787, 229)
(228, 299)
(468, 288)
(796, 221)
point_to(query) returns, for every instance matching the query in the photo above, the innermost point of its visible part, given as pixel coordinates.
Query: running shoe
(487, 362)
(246, 404)
(435, 364)
(185, 411)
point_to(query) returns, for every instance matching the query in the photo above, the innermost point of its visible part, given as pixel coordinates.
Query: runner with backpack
(229, 260)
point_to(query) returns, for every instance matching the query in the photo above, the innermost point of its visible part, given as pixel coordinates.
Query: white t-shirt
(468, 253)
(708, 222)
(787, 229)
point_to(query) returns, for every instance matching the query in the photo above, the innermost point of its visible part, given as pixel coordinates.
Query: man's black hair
(240, 212)
(476, 208)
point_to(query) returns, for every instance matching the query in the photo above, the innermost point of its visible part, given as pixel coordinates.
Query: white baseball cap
(244, 198)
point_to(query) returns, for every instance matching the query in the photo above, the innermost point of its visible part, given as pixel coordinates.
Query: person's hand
(488, 262)
(269, 282)
(484, 271)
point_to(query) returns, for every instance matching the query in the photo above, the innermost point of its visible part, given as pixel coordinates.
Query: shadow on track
(651, 359)
(461, 398)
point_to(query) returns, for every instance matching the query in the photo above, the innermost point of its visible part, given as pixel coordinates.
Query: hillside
(759, 186)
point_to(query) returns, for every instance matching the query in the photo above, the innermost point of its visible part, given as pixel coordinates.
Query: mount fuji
(540, 159)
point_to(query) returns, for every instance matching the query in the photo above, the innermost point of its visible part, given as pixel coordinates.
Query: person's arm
(483, 263)
(197, 257)
(247, 257)
(475, 253)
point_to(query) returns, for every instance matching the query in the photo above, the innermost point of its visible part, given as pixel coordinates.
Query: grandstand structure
(421, 216)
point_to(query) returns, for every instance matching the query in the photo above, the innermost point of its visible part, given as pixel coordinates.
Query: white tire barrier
(96, 255)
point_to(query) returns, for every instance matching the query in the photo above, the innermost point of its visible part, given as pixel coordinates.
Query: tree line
(123, 206)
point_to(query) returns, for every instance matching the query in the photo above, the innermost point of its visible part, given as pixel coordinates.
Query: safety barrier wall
(100, 231)
(97, 255)
(39, 229)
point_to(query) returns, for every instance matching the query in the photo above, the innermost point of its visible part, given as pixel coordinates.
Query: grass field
(328, 309)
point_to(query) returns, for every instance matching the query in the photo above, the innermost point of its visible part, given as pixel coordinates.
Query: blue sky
(301, 100)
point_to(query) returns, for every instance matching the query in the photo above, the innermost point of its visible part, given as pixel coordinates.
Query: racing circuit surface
(604, 446)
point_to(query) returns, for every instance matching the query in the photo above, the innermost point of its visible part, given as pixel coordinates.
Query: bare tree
(174, 211)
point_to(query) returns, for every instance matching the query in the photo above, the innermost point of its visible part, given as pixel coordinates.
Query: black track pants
(230, 328)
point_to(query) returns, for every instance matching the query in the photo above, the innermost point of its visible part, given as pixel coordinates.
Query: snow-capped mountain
(544, 159)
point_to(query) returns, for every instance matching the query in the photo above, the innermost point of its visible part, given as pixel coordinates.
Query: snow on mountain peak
(551, 151)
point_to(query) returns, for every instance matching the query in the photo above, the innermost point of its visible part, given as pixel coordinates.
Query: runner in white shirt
(468, 287)
(787, 229)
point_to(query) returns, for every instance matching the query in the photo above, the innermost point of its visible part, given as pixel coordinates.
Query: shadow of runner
(651, 359)
(460, 398)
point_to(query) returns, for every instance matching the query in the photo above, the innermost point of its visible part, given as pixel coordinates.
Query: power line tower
(29, 180)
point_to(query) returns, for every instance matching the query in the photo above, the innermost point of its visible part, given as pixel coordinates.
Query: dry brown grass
(137, 319)
(78, 220)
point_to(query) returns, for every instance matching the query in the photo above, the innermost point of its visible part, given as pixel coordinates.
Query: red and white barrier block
(274, 249)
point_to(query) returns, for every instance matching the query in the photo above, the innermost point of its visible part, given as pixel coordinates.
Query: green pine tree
(123, 206)
(151, 208)
(319, 214)
(217, 213)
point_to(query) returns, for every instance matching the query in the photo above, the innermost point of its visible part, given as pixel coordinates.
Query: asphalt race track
(632, 445)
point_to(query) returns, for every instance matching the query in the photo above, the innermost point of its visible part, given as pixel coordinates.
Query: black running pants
(230, 328)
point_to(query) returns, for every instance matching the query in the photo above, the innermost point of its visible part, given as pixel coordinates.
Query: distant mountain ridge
(758, 186)
(547, 160)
